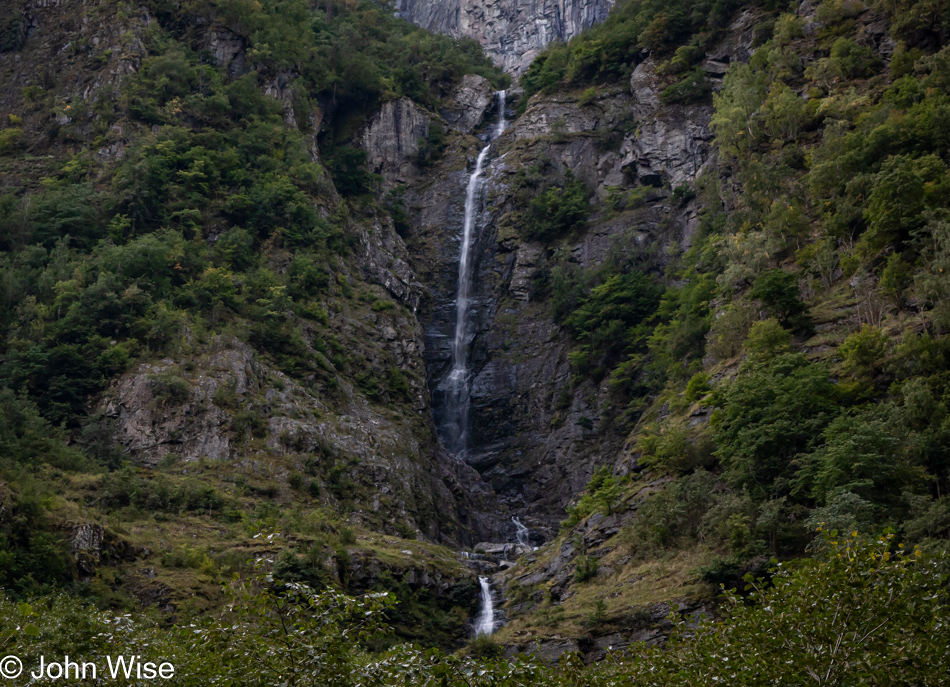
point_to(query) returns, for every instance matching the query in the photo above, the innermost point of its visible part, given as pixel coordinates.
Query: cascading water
(522, 534)
(456, 387)
(485, 620)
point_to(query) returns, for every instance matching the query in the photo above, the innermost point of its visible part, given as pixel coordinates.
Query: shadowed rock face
(535, 436)
(512, 32)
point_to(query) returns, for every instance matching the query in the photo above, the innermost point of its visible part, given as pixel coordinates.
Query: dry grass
(623, 585)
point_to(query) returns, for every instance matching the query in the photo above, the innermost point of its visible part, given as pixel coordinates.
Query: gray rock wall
(512, 32)
(391, 140)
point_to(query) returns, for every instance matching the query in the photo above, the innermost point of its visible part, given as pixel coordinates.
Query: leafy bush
(768, 416)
(26, 438)
(483, 646)
(693, 87)
(557, 211)
(167, 387)
(127, 487)
(248, 422)
(778, 290)
(10, 140)
(675, 515)
(863, 352)
(348, 169)
(611, 321)
(585, 568)
(861, 455)
(853, 61)
(675, 448)
(697, 387)
(767, 339)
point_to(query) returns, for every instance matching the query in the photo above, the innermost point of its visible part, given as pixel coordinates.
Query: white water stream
(522, 534)
(485, 621)
(457, 385)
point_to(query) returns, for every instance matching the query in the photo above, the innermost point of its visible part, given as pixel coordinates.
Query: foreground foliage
(863, 611)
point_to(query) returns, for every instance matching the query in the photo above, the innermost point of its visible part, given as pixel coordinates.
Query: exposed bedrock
(512, 32)
(536, 437)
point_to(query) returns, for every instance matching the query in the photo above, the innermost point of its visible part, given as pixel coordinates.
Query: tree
(860, 454)
(863, 612)
(767, 339)
(779, 293)
(557, 211)
(769, 415)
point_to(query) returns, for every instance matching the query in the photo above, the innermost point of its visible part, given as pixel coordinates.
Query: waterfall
(457, 385)
(485, 620)
(521, 534)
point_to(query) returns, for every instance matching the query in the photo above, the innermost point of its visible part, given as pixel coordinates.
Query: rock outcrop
(228, 405)
(469, 102)
(512, 32)
(392, 138)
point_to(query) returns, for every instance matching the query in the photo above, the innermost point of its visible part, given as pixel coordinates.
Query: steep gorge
(536, 437)
(236, 327)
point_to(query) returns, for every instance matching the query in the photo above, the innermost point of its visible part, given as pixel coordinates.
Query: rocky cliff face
(536, 435)
(391, 140)
(512, 32)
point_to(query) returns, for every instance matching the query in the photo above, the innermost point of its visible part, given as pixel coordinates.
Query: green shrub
(127, 487)
(611, 321)
(432, 146)
(27, 438)
(853, 61)
(348, 169)
(861, 455)
(11, 140)
(603, 493)
(697, 387)
(247, 421)
(167, 387)
(778, 290)
(557, 211)
(587, 97)
(863, 352)
(676, 448)
(767, 417)
(585, 568)
(692, 88)
(618, 199)
(902, 192)
(483, 646)
(767, 339)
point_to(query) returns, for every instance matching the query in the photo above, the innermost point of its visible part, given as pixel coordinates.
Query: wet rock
(525, 269)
